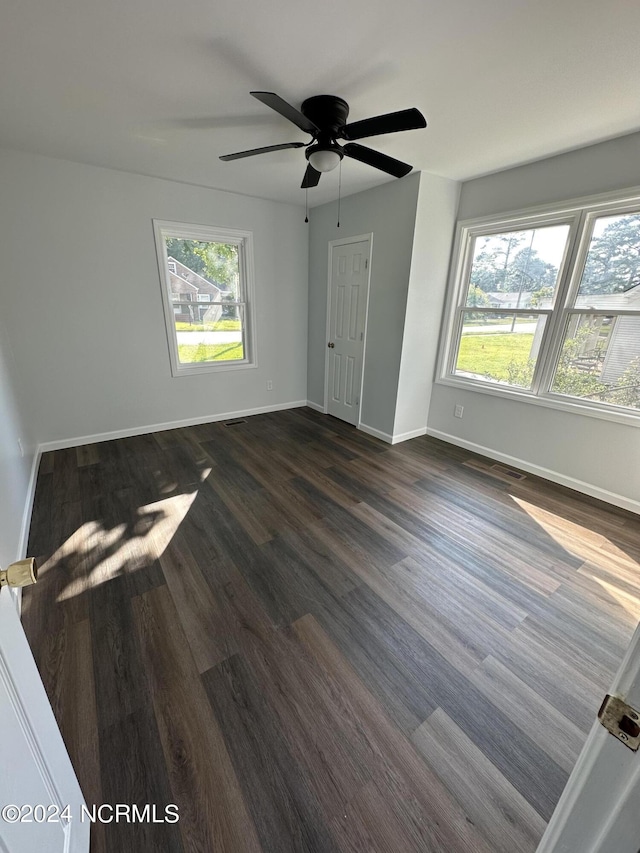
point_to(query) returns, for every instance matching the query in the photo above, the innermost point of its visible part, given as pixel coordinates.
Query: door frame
(344, 241)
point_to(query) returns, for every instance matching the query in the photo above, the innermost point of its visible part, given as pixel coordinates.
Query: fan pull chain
(306, 204)
(339, 189)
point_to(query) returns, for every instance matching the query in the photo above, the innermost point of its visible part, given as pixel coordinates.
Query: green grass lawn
(490, 355)
(191, 353)
(220, 326)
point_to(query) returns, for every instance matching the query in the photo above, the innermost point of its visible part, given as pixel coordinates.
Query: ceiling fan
(325, 118)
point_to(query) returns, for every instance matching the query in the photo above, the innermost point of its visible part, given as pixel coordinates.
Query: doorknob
(331, 345)
(22, 573)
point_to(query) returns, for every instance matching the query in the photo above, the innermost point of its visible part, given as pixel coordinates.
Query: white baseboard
(384, 436)
(405, 436)
(396, 438)
(545, 473)
(78, 441)
(316, 406)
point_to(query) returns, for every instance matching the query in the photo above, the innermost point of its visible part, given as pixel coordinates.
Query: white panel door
(347, 317)
(599, 809)
(36, 776)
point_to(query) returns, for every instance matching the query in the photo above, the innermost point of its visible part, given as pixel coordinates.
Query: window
(547, 307)
(215, 268)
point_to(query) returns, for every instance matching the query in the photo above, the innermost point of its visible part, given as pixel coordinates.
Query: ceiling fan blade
(252, 151)
(390, 123)
(311, 178)
(376, 159)
(280, 106)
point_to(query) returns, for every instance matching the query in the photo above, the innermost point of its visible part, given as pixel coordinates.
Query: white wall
(389, 212)
(433, 235)
(608, 166)
(597, 456)
(15, 469)
(82, 302)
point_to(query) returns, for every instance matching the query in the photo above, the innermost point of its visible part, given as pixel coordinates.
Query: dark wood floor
(311, 641)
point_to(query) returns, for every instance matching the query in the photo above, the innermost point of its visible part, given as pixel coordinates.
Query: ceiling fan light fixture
(324, 160)
(324, 118)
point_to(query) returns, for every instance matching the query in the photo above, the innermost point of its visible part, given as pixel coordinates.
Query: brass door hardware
(621, 720)
(22, 573)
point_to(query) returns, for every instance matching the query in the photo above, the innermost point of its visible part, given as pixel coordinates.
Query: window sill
(548, 401)
(206, 367)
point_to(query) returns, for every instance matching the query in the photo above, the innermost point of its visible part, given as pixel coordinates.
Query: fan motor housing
(328, 112)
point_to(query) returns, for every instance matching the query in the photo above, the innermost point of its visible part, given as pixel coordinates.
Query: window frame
(246, 306)
(580, 215)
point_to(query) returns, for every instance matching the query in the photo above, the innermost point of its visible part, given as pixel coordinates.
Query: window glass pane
(210, 332)
(199, 267)
(204, 284)
(517, 269)
(611, 276)
(498, 348)
(600, 360)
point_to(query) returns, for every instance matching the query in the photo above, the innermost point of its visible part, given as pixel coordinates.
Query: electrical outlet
(269, 384)
(458, 411)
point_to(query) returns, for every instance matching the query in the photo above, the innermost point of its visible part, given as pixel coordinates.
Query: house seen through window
(205, 289)
(551, 308)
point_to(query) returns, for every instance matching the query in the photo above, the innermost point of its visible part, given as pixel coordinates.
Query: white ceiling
(162, 88)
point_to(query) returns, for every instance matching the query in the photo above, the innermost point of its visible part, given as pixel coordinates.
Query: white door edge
(605, 779)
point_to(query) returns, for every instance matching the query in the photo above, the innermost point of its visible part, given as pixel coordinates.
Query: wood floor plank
(213, 814)
(325, 565)
(549, 673)
(444, 821)
(455, 639)
(450, 639)
(284, 809)
(357, 537)
(133, 771)
(260, 572)
(323, 735)
(200, 615)
(65, 475)
(556, 734)
(459, 593)
(496, 808)
(248, 510)
(75, 709)
(477, 630)
(117, 666)
(453, 525)
(39, 541)
(383, 474)
(371, 823)
(411, 677)
(87, 454)
(377, 660)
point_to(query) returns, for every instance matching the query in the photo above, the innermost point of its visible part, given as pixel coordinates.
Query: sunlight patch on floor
(630, 603)
(580, 541)
(601, 556)
(95, 555)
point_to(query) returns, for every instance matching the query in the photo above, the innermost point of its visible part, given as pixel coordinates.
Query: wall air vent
(500, 472)
(508, 472)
